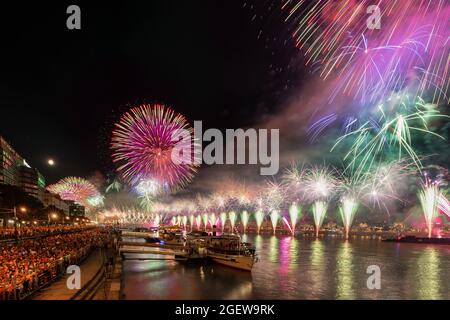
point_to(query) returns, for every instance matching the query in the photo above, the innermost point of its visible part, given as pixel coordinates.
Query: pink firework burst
(75, 189)
(143, 143)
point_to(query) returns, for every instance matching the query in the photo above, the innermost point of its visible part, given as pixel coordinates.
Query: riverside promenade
(58, 290)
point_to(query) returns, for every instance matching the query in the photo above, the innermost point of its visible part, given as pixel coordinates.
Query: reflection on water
(428, 280)
(274, 249)
(344, 272)
(318, 267)
(301, 268)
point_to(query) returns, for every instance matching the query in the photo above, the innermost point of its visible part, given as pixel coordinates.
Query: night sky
(62, 90)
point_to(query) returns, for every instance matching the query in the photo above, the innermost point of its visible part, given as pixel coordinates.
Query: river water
(301, 268)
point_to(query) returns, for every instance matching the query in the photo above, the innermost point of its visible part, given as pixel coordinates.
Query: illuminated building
(10, 163)
(15, 171)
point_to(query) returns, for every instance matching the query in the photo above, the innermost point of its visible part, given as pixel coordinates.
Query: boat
(414, 239)
(228, 250)
(172, 237)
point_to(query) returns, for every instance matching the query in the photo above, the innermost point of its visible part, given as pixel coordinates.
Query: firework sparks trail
(144, 147)
(259, 217)
(444, 205)
(198, 221)
(413, 40)
(319, 210)
(381, 184)
(389, 131)
(191, 221)
(212, 219)
(286, 222)
(429, 199)
(274, 217)
(232, 216)
(348, 209)
(205, 220)
(245, 218)
(223, 220)
(294, 214)
(294, 179)
(274, 196)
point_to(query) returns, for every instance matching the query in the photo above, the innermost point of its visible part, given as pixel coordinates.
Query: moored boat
(228, 250)
(414, 239)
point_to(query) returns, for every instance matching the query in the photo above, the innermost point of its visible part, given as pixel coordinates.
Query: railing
(91, 287)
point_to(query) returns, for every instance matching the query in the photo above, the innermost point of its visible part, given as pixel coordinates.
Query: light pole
(14, 212)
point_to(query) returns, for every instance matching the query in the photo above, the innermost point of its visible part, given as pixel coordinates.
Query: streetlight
(51, 216)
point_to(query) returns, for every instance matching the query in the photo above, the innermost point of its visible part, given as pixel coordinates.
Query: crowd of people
(27, 265)
(38, 231)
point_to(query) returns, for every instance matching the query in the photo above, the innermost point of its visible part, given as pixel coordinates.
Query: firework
(174, 220)
(444, 205)
(96, 201)
(259, 217)
(219, 201)
(294, 179)
(294, 214)
(429, 199)
(244, 219)
(382, 183)
(232, 216)
(390, 131)
(198, 221)
(319, 210)
(133, 216)
(79, 190)
(348, 209)
(144, 147)
(286, 222)
(184, 220)
(212, 219)
(274, 196)
(274, 217)
(413, 40)
(191, 221)
(223, 220)
(320, 183)
(148, 187)
(147, 190)
(205, 220)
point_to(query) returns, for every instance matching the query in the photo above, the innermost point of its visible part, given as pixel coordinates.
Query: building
(32, 182)
(10, 163)
(15, 171)
(76, 210)
(53, 200)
